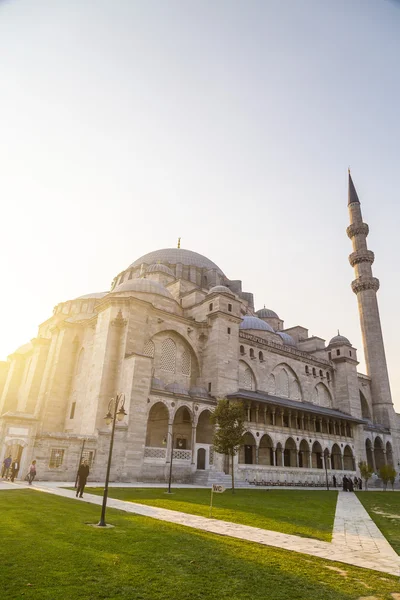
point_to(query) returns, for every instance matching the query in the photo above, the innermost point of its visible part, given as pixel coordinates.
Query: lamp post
(111, 417)
(326, 471)
(171, 457)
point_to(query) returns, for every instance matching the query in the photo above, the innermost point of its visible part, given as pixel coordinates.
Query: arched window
(314, 372)
(186, 363)
(246, 378)
(168, 355)
(328, 377)
(260, 356)
(321, 373)
(307, 370)
(148, 349)
(210, 306)
(241, 349)
(282, 383)
(251, 353)
(338, 352)
(230, 307)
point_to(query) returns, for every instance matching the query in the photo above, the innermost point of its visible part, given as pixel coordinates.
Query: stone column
(290, 419)
(310, 459)
(274, 457)
(265, 415)
(248, 408)
(170, 441)
(314, 420)
(384, 456)
(194, 427)
(273, 416)
(302, 421)
(257, 450)
(257, 409)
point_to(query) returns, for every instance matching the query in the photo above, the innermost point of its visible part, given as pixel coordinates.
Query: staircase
(207, 478)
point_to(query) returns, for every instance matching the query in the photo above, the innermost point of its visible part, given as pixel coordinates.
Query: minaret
(366, 286)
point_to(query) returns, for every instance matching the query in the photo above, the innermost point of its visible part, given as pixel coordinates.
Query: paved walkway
(356, 539)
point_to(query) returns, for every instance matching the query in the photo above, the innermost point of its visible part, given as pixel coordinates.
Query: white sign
(218, 489)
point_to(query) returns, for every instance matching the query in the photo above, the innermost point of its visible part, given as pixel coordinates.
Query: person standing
(345, 484)
(350, 485)
(6, 466)
(334, 481)
(83, 474)
(32, 472)
(14, 469)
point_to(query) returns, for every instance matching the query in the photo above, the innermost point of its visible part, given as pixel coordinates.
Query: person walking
(345, 484)
(83, 474)
(14, 469)
(6, 466)
(359, 483)
(350, 485)
(334, 480)
(32, 472)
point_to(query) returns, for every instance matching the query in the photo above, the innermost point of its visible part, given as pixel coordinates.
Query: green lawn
(48, 552)
(304, 513)
(384, 509)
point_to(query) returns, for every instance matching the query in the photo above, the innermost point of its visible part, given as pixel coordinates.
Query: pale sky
(125, 124)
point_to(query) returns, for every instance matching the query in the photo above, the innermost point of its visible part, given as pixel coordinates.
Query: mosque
(174, 334)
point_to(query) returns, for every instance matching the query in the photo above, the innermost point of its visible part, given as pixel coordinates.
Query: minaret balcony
(357, 229)
(365, 283)
(361, 256)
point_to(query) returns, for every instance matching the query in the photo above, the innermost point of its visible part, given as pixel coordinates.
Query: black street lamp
(171, 457)
(111, 417)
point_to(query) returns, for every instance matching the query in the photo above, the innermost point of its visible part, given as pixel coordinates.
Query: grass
(387, 503)
(47, 552)
(304, 513)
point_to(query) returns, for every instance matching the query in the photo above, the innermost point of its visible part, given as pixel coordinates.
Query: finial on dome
(338, 332)
(179, 242)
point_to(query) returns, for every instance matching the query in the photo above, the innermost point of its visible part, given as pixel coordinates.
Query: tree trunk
(233, 477)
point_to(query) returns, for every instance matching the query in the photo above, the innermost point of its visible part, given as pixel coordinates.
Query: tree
(229, 417)
(387, 473)
(365, 471)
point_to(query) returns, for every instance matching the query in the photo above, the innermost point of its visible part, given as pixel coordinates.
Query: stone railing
(150, 452)
(182, 454)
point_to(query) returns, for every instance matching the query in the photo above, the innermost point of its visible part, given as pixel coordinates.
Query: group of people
(9, 468)
(349, 484)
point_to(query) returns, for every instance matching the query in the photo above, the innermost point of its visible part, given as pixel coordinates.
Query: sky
(125, 124)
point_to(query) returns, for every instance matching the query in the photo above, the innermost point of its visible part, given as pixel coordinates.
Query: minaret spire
(365, 286)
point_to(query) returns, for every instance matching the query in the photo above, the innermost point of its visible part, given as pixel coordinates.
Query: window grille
(186, 363)
(247, 379)
(148, 349)
(56, 458)
(168, 355)
(89, 456)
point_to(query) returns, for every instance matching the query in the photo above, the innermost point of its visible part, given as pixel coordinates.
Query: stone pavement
(356, 540)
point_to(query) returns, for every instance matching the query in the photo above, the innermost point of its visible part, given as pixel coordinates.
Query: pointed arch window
(168, 355)
(186, 363)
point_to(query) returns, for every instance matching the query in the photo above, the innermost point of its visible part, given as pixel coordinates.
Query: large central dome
(176, 256)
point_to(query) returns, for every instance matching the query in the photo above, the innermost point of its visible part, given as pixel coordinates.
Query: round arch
(265, 451)
(304, 454)
(369, 453)
(157, 425)
(389, 453)
(378, 453)
(247, 451)
(205, 428)
(348, 459)
(182, 428)
(365, 411)
(316, 456)
(290, 453)
(336, 457)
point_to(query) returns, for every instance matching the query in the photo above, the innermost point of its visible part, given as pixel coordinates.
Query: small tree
(387, 473)
(229, 418)
(365, 471)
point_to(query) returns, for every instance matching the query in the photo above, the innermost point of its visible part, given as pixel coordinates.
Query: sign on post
(218, 489)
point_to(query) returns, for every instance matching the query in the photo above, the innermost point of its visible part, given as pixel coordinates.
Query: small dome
(339, 340)
(159, 268)
(142, 286)
(266, 313)
(286, 338)
(220, 289)
(157, 384)
(176, 388)
(249, 322)
(96, 295)
(198, 392)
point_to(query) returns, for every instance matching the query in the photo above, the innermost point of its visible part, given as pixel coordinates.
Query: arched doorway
(348, 461)
(336, 458)
(304, 454)
(247, 452)
(378, 452)
(157, 426)
(265, 452)
(182, 429)
(201, 459)
(317, 456)
(290, 453)
(369, 453)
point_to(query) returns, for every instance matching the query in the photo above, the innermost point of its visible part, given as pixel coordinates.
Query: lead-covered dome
(143, 286)
(286, 338)
(249, 322)
(176, 256)
(220, 289)
(339, 340)
(159, 268)
(266, 313)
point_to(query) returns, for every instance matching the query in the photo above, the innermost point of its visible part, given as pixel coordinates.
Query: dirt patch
(340, 571)
(387, 515)
(395, 596)
(368, 598)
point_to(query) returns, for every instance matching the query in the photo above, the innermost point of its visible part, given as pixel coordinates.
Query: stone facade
(173, 335)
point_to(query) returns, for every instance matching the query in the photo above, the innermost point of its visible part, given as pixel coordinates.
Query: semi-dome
(249, 322)
(176, 388)
(176, 256)
(286, 338)
(339, 340)
(220, 289)
(266, 313)
(96, 295)
(143, 286)
(159, 268)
